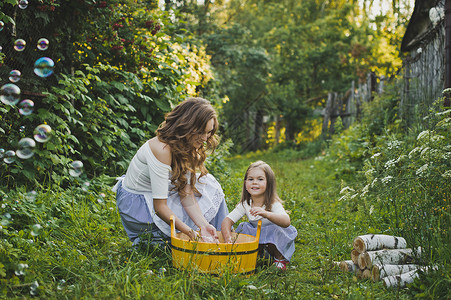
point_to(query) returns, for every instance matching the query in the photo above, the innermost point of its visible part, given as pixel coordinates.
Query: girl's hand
(208, 234)
(258, 211)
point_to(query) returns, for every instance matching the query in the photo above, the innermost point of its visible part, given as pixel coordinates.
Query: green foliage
(105, 98)
(404, 188)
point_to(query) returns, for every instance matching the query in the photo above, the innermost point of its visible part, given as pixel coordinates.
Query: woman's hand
(208, 234)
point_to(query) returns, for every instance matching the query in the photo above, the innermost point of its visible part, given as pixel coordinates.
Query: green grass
(81, 250)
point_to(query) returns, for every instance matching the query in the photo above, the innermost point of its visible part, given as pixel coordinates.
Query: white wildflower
(400, 158)
(365, 190)
(387, 179)
(436, 138)
(371, 209)
(389, 164)
(353, 196)
(445, 112)
(447, 174)
(447, 90)
(447, 156)
(423, 134)
(420, 172)
(346, 190)
(412, 153)
(376, 155)
(424, 152)
(374, 182)
(394, 144)
(343, 197)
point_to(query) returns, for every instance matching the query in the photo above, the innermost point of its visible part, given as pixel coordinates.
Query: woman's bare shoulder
(162, 151)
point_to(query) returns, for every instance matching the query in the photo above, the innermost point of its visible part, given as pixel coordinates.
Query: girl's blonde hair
(271, 189)
(179, 129)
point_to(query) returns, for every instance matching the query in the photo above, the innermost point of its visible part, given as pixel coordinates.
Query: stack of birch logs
(383, 257)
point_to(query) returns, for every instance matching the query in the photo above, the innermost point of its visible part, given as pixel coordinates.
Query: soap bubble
(2, 152)
(2, 25)
(14, 76)
(36, 229)
(43, 44)
(34, 288)
(25, 150)
(23, 4)
(43, 67)
(19, 45)
(10, 94)
(76, 168)
(61, 285)
(9, 156)
(26, 107)
(85, 186)
(42, 133)
(20, 269)
(32, 195)
(22, 128)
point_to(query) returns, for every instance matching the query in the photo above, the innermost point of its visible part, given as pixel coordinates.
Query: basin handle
(172, 221)
(259, 227)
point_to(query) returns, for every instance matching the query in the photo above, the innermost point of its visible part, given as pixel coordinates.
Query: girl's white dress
(282, 238)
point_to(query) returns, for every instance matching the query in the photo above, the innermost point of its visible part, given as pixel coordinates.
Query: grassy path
(326, 228)
(81, 251)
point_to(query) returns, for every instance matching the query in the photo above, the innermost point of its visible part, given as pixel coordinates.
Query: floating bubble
(14, 76)
(61, 284)
(2, 152)
(43, 67)
(34, 288)
(26, 107)
(85, 186)
(2, 25)
(23, 4)
(19, 45)
(20, 269)
(1, 48)
(10, 94)
(42, 133)
(76, 168)
(22, 128)
(9, 156)
(36, 229)
(32, 195)
(43, 44)
(26, 150)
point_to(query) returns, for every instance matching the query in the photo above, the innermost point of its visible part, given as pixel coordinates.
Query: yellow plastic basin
(238, 257)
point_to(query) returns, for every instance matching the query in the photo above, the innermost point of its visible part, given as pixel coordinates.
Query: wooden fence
(421, 85)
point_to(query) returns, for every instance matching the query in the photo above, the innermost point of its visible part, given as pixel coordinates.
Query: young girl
(259, 201)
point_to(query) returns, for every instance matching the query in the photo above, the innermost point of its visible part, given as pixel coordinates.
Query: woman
(161, 179)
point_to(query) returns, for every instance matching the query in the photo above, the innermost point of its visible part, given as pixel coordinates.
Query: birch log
(355, 256)
(371, 242)
(380, 271)
(387, 257)
(405, 278)
(347, 266)
(400, 280)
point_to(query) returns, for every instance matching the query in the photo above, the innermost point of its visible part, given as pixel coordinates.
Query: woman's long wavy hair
(271, 195)
(183, 125)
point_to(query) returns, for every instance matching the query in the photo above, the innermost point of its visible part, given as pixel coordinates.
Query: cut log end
(359, 244)
(355, 256)
(375, 273)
